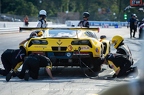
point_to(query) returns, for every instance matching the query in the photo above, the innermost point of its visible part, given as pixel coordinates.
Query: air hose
(82, 63)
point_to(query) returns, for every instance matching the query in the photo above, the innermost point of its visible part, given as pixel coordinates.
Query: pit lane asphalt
(70, 81)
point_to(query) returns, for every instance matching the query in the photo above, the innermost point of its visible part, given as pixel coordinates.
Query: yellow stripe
(49, 67)
(113, 66)
(17, 66)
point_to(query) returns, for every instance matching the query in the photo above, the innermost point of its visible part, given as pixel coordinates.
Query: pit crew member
(120, 64)
(32, 64)
(132, 23)
(37, 33)
(121, 47)
(84, 22)
(42, 23)
(12, 59)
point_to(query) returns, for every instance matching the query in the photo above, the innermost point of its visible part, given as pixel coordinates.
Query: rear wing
(49, 28)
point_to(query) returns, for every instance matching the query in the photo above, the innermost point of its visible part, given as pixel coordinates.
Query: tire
(86, 62)
(93, 63)
(97, 62)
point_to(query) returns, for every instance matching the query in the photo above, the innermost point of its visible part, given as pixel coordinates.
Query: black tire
(93, 63)
(86, 62)
(97, 62)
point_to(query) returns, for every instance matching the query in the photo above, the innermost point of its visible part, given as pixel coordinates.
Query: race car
(70, 46)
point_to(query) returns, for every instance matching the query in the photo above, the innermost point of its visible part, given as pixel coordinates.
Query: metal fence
(62, 17)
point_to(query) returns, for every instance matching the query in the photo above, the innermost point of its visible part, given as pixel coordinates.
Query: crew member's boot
(9, 75)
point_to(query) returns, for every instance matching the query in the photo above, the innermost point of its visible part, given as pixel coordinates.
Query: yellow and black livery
(64, 46)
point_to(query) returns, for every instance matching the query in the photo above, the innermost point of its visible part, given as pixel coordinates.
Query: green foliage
(98, 9)
(19, 7)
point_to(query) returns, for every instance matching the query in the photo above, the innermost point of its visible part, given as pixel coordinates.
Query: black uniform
(10, 58)
(119, 62)
(133, 26)
(32, 63)
(124, 49)
(84, 23)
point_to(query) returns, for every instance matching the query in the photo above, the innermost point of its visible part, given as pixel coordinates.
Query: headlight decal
(85, 48)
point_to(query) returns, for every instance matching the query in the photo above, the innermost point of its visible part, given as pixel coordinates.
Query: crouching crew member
(32, 64)
(120, 64)
(37, 33)
(12, 59)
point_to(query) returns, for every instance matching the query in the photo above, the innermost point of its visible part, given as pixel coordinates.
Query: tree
(32, 7)
(19, 7)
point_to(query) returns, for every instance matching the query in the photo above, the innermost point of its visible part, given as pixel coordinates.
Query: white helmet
(42, 12)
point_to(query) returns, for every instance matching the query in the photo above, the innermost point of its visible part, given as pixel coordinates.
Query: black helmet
(86, 14)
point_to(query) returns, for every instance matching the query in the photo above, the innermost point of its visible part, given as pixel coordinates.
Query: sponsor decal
(70, 48)
(81, 53)
(85, 48)
(97, 50)
(68, 54)
(40, 47)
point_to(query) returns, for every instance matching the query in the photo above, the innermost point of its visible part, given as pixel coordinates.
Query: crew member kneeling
(120, 64)
(32, 64)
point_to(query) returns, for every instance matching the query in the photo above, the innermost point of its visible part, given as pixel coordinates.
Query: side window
(90, 34)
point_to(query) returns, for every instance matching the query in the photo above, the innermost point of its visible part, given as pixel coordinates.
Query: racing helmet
(42, 12)
(133, 15)
(117, 40)
(86, 14)
(39, 33)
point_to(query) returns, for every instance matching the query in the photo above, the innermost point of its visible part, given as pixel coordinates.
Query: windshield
(62, 33)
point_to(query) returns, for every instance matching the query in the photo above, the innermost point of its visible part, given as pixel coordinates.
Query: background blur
(58, 11)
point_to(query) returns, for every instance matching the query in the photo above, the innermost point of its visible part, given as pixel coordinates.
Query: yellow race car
(69, 46)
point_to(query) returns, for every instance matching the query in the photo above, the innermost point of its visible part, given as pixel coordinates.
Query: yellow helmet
(39, 33)
(117, 40)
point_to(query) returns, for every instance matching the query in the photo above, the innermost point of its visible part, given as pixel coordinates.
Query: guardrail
(11, 27)
(18, 24)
